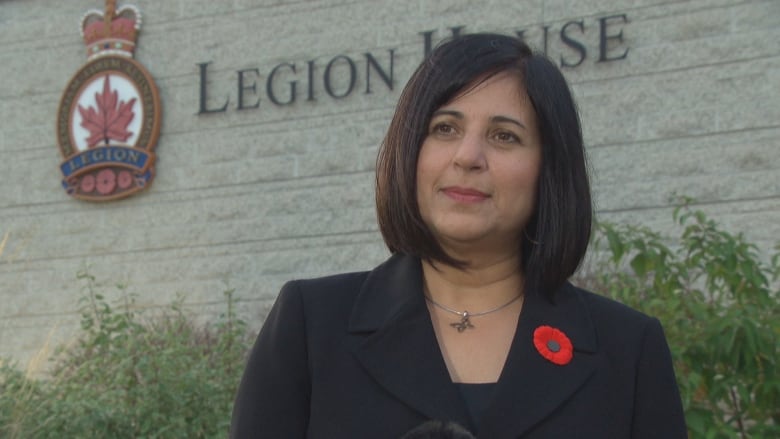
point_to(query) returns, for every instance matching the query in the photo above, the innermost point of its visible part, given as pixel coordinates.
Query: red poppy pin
(553, 344)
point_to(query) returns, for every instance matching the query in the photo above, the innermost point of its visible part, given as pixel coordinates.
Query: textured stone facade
(255, 196)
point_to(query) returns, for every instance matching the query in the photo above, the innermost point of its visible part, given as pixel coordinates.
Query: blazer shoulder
(603, 307)
(324, 292)
(614, 320)
(333, 282)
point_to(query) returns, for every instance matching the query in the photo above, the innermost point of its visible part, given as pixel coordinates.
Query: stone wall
(248, 198)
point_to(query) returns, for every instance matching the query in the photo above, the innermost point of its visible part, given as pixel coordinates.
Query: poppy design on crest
(553, 345)
(108, 120)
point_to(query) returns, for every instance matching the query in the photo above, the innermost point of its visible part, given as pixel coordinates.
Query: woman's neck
(479, 286)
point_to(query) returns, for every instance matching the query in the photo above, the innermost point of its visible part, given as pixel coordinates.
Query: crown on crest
(111, 33)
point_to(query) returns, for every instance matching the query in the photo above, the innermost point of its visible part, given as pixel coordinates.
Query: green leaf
(615, 243)
(640, 264)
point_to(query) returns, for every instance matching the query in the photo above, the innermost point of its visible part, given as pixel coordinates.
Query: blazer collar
(392, 287)
(393, 338)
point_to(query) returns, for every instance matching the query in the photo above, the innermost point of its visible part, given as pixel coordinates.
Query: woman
(483, 199)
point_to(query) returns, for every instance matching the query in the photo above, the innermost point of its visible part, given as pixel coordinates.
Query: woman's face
(478, 167)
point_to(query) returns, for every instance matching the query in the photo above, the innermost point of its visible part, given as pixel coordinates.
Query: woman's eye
(507, 137)
(443, 129)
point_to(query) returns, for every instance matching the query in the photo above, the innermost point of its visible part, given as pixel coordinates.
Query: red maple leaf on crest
(109, 121)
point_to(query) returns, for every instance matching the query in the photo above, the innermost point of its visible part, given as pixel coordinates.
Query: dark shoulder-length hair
(556, 237)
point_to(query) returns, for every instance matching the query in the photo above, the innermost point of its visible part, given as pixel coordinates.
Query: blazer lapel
(531, 387)
(393, 338)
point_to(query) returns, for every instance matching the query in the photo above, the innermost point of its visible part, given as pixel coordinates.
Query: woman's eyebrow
(502, 119)
(456, 114)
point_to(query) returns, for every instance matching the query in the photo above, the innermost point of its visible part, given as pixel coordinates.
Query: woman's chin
(465, 240)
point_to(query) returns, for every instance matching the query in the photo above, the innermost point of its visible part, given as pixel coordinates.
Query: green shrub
(717, 301)
(131, 376)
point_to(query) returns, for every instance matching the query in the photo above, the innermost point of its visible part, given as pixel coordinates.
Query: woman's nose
(470, 154)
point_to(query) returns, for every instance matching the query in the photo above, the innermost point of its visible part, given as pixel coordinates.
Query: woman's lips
(465, 195)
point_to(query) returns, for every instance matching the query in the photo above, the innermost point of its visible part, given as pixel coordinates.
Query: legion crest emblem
(108, 120)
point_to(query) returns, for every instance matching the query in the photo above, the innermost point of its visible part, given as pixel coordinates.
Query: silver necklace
(465, 316)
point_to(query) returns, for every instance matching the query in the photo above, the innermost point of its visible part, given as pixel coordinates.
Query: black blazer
(355, 356)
